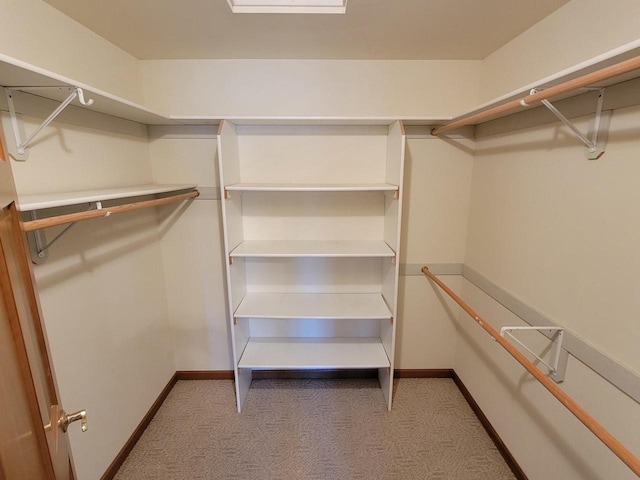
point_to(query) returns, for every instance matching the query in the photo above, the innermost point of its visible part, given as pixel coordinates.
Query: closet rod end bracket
(600, 125)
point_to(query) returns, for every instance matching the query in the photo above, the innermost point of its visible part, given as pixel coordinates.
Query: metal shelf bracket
(595, 140)
(38, 248)
(559, 356)
(20, 150)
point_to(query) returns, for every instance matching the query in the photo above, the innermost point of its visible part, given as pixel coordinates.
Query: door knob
(67, 418)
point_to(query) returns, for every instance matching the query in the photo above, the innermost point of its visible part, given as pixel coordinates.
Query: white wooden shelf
(287, 353)
(313, 305)
(15, 73)
(312, 248)
(49, 200)
(317, 187)
(308, 120)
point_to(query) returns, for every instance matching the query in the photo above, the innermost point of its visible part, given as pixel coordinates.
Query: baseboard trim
(497, 441)
(320, 374)
(424, 373)
(137, 433)
(204, 374)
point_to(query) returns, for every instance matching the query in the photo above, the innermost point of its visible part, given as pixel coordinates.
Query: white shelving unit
(312, 232)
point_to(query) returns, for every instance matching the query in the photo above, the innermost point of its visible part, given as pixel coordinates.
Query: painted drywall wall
(559, 232)
(71, 50)
(435, 212)
(102, 289)
(546, 440)
(232, 88)
(191, 241)
(576, 32)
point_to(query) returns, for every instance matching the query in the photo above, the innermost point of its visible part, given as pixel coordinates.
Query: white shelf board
(50, 200)
(16, 73)
(313, 353)
(312, 248)
(281, 120)
(312, 187)
(313, 305)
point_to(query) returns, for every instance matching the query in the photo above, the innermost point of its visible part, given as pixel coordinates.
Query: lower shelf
(284, 353)
(313, 305)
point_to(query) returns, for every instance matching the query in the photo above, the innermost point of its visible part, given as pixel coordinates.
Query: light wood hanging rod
(598, 430)
(584, 81)
(103, 212)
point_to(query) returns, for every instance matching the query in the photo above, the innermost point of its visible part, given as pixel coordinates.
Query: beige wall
(547, 441)
(435, 212)
(561, 233)
(576, 32)
(193, 255)
(231, 88)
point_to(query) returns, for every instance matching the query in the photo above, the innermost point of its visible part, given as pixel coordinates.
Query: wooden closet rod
(584, 81)
(598, 430)
(103, 212)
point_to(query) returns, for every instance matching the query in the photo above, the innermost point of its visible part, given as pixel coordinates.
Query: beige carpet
(315, 429)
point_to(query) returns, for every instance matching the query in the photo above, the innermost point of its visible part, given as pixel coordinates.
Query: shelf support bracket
(38, 250)
(20, 151)
(595, 145)
(559, 356)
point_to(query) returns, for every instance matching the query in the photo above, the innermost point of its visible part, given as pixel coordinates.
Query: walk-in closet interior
(219, 195)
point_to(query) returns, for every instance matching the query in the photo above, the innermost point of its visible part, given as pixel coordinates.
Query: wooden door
(32, 446)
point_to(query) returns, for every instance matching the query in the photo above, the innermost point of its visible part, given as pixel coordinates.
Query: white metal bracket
(38, 246)
(595, 140)
(19, 150)
(559, 356)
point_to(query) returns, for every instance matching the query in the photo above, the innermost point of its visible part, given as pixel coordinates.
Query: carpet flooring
(315, 429)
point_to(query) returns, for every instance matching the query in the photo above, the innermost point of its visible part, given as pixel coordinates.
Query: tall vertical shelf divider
(311, 217)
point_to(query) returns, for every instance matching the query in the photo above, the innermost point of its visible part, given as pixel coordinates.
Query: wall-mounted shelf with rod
(614, 67)
(43, 209)
(40, 201)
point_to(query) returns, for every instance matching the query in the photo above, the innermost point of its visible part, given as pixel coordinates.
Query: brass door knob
(67, 418)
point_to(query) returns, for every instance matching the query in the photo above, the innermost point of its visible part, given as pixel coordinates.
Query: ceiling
(371, 29)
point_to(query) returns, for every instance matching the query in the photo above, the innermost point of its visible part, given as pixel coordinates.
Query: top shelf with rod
(614, 67)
